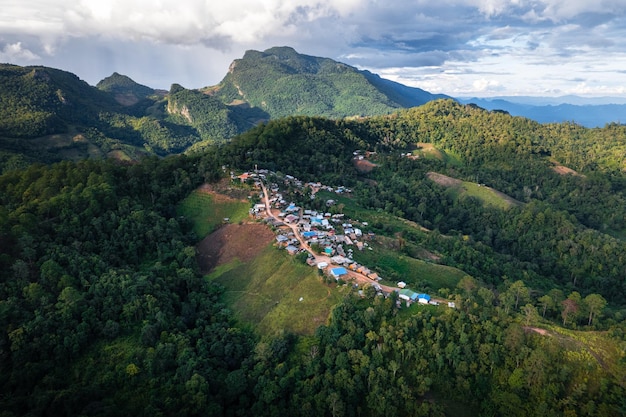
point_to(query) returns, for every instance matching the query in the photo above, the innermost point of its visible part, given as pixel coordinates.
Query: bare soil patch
(241, 241)
(541, 331)
(443, 179)
(563, 170)
(225, 191)
(364, 166)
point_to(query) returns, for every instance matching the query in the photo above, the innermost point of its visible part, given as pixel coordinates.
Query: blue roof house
(338, 272)
(423, 298)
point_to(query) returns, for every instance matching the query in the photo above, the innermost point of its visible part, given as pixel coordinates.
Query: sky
(462, 48)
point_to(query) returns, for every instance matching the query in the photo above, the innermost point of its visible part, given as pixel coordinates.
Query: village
(329, 239)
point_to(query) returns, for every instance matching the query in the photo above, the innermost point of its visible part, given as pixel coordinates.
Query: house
(291, 218)
(338, 272)
(423, 298)
(281, 238)
(292, 250)
(408, 295)
(340, 260)
(401, 284)
(309, 235)
(322, 265)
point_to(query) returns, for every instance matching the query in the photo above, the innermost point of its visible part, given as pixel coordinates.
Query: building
(408, 295)
(423, 298)
(338, 272)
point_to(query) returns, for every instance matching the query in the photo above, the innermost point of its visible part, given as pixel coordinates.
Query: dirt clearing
(364, 166)
(241, 241)
(444, 179)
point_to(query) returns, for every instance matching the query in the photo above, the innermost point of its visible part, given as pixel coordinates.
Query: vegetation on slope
(38, 101)
(103, 310)
(283, 82)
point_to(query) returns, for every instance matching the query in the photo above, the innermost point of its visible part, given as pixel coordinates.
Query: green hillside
(266, 294)
(104, 310)
(126, 91)
(122, 119)
(282, 82)
(38, 101)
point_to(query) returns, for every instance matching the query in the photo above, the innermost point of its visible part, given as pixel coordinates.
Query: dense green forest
(49, 115)
(283, 82)
(103, 310)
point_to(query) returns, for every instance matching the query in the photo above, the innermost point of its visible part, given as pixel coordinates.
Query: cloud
(456, 40)
(167, 21)
(12, 52)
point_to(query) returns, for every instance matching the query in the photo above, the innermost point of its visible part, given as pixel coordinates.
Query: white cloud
(167, 21)
(448, 46)
(12, 52)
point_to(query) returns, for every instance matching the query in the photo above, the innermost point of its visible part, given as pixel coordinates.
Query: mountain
(126, 91)
(555, 101)
(105, 312)
(282, 82)
(39, 101)
(588, 115)
(49, 114)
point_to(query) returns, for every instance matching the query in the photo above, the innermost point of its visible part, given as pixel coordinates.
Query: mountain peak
(283, 82)
(125, 90)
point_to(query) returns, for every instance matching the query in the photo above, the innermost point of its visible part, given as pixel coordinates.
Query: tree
(546, 303)
(519, 291)
(570, 307)
(530, 312)
(487, 295)
(595, 303)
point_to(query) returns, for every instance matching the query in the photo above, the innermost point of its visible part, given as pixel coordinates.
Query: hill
(104, 309)
(283, 82)
(38, 101)
(122, 119)
(126, 91)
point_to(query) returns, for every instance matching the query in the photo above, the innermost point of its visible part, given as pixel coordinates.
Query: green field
(206, 213)
(488, 196)
(266, 293)
(419, 275)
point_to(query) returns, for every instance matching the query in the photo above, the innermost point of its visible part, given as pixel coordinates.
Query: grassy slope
(265, 293)
(207, 213)
(488, 196)
(418, 274)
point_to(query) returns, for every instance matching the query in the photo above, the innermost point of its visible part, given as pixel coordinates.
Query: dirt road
(356, 276)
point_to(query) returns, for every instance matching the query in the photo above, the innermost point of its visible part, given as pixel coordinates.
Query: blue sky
(457, 47)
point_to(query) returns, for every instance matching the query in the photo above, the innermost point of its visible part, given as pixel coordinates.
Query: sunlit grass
(207, 213)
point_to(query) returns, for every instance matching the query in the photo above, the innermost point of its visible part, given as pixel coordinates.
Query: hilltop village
(327, 236)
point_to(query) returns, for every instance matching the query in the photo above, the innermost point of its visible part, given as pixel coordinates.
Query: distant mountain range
(48, 114)
(588, 112)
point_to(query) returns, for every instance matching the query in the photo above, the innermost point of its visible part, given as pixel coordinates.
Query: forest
(103, 310)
